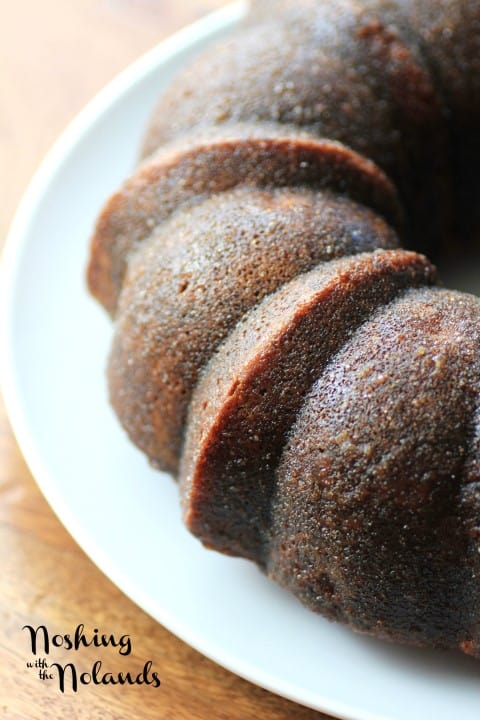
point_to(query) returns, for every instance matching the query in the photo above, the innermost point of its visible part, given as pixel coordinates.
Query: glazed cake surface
(309, 382)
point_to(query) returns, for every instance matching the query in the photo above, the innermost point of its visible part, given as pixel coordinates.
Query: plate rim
(16, 237)
(16, 240)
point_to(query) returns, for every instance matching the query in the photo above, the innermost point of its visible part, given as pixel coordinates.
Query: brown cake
(314, 390)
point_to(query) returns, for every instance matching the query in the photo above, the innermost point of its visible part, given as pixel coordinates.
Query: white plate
(126, 516)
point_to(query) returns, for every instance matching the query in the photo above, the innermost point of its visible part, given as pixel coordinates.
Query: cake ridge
(229, 407)
(182, 174)
(186, 282)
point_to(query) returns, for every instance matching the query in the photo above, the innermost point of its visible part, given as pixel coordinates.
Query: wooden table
(55, 55)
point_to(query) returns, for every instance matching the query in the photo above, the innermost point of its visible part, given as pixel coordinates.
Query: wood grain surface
(54, 55)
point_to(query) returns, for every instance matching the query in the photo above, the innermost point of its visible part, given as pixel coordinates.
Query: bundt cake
(306, 378)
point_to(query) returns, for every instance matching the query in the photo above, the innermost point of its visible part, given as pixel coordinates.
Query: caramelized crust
(355, 72)
(375, 519)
